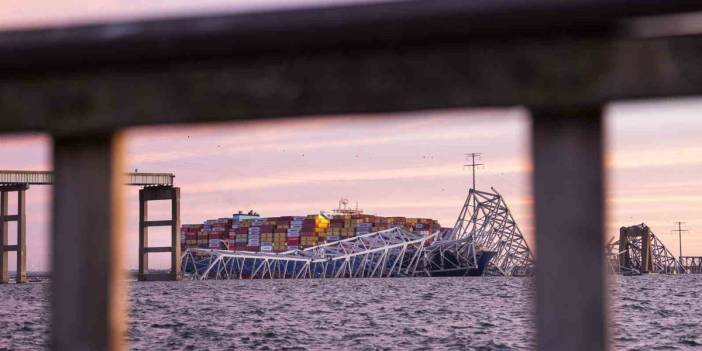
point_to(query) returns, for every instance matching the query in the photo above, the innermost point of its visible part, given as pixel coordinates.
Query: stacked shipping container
(279, 234)
(189, 235)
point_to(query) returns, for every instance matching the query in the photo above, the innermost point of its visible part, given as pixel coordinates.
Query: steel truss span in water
(692, 264)
(389, 253)
(640, 251)
(486, 221)
(485, 238)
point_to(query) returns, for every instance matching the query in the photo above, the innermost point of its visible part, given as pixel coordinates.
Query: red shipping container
(267, 228)
(215, 235)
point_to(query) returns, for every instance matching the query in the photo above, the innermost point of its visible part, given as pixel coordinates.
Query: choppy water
(650, 312)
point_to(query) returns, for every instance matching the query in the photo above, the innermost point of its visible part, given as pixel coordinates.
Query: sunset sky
(408, 164)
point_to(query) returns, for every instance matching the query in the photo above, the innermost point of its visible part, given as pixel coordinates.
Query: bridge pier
(151, 194)
(628, 235)
(21, 246)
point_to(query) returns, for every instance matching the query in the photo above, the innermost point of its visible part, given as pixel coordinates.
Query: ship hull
(483, 259)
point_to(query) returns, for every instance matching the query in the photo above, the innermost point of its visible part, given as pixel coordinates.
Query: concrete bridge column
(159, 193)
(21, 246)
(646, 250)
(624, 259)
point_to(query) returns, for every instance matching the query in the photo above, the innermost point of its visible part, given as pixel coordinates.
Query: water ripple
(650, 312)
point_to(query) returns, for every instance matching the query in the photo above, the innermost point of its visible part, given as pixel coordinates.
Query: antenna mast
(680, 231)
(472, 157)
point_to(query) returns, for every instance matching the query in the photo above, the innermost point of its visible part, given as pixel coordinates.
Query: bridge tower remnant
(21, 246)
(153, 193)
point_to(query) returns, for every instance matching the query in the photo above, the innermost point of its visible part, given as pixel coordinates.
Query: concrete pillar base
(151, 194)
(21, 247)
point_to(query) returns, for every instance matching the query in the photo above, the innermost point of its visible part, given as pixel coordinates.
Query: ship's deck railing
(562, 60)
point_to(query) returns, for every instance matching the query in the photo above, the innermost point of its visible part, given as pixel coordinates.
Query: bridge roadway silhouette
(155, 186)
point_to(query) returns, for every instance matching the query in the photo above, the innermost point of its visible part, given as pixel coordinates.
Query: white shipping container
(294, 235)
(266, 248)
(333, 238)
(293, 247)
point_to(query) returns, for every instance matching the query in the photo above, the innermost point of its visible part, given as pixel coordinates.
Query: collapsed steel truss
(445, 257)
(388, 253)
(640, 251)
(486, 221)
(485, 235)
(692, 264)
(613, 255)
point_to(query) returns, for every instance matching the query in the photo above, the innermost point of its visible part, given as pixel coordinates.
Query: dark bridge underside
(562, 59)
(346, 59)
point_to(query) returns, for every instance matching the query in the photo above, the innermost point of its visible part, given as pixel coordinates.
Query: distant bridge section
(149, 179)
(640, 251)
(12, 177)
(155, 186)
(26, 177)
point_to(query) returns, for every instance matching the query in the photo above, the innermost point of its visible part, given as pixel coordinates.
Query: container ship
(254, 233)
(329, 242)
